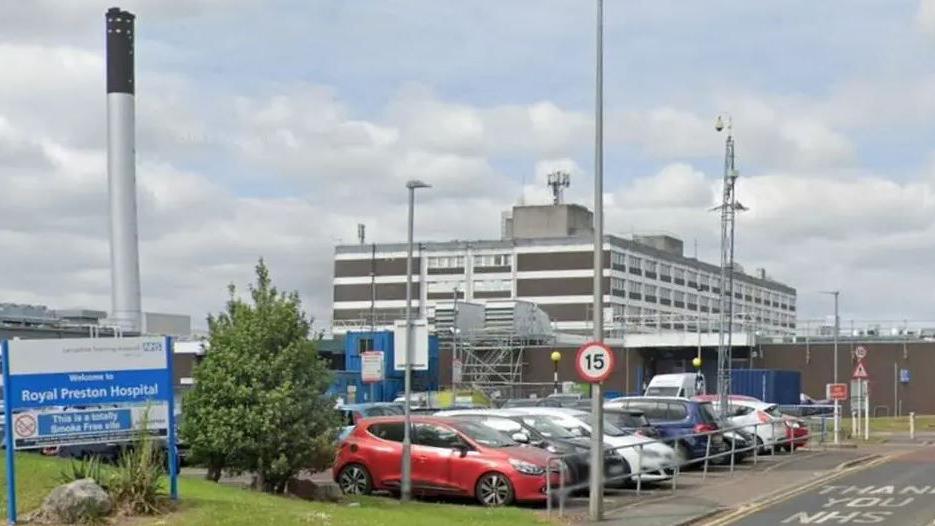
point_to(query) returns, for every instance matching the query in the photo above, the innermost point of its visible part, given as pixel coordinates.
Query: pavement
(699, 496)
(897, 490)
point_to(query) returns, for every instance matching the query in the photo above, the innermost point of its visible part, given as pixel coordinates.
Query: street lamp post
(556, 356)
(837, 330)
(405, 487)
(596, 487)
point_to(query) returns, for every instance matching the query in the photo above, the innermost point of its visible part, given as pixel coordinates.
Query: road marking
(743, 513)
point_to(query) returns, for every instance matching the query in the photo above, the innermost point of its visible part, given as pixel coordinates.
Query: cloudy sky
(272, 128)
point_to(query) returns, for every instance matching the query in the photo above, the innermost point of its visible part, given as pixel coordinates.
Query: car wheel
(354, 479)
(494, 489)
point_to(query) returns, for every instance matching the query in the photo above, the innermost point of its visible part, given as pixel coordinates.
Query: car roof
(354, 407)
(420, 419)
(561, 412)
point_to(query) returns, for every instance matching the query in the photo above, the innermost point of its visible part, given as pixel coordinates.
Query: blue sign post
(41, 378)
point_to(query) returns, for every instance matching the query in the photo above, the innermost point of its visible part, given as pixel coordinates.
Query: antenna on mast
(362, 233)
(558, 181)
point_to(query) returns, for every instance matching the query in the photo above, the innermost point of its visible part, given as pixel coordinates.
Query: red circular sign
(594, 362)
(25, 425)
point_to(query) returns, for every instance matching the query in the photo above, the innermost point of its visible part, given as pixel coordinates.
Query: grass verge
(891, 424)
(207, 503)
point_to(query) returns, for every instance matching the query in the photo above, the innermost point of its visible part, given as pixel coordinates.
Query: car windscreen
(609, 428)
(547, 427)
(503, 425)
(483, 434)
(627, 420)
(773, 411)
(662, 391)
(708, 415)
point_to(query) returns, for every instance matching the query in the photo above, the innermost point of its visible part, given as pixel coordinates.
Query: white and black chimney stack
(121, 172)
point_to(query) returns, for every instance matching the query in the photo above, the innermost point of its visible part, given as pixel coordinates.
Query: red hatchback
(449, 456)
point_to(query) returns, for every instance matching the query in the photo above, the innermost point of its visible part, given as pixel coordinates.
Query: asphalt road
(900, 492)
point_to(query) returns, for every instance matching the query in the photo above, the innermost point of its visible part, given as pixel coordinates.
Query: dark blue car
(675, 420)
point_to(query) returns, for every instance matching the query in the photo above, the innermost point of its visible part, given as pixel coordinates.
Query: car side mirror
(522, 438)
(462, 450)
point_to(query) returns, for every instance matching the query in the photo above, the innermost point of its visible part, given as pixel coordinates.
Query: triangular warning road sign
(860, 372)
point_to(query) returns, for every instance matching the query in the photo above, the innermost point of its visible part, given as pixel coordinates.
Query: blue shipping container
(769, 385)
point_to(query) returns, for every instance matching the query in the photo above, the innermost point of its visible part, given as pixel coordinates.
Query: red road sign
(836, 391)
(594, 362)
(860, 372)
(25, 425)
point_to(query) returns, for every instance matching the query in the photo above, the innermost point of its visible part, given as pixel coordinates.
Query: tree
(258, 403)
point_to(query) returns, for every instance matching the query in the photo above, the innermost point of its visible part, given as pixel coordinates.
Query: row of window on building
(479, 260)
(645, 267)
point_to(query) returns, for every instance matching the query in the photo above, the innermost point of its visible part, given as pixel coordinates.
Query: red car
(449, 456)
(796, 433)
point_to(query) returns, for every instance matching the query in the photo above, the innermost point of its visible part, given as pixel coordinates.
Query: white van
(683, 385)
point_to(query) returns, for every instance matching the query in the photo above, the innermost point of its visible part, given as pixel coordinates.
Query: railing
(774, 435)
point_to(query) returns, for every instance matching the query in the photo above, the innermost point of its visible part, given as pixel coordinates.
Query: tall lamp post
(405, 487)
(837, 330)
(556, 357)
(596, 486)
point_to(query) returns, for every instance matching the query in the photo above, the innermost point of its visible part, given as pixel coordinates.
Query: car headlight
(526, 468)
(651, 453)
(795, 425)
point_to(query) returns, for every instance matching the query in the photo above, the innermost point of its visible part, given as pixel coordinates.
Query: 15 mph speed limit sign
(594, 362)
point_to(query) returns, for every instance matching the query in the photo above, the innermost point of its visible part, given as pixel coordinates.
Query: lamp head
(556, 356)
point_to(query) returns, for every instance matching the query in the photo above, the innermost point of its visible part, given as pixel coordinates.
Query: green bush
(136, 484)
(85, 468)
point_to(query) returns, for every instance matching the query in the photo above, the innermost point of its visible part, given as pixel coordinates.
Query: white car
(760, 418)
(658, 460)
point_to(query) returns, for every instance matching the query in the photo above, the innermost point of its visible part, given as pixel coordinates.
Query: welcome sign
(87, 372)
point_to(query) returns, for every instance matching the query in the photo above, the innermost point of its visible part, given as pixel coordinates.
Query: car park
(449, 457)
(684, 424)
(544, 433)
(657, 460)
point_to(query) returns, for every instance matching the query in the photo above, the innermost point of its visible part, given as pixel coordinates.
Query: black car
(538, 431)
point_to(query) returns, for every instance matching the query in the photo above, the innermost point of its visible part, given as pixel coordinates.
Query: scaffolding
(490, 343)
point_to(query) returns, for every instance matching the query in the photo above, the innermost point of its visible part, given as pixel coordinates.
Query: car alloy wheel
(494, 489)
(355, 480)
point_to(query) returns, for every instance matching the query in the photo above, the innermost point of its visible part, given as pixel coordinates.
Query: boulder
(79, 501)
(309, 490)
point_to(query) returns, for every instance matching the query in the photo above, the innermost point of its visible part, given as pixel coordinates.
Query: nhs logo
(152, 346)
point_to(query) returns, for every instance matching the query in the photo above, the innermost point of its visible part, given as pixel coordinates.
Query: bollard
(639, 470)
(707, 456)
(912, 425)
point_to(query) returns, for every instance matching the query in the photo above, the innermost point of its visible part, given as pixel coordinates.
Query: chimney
(121, 171)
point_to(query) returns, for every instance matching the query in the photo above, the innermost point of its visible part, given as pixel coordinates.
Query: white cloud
(925, 16)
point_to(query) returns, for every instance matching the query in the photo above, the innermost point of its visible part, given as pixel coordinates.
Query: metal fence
(648, 468)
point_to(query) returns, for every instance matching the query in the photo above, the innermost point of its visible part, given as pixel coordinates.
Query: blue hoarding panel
(88, 388)
(769, 385)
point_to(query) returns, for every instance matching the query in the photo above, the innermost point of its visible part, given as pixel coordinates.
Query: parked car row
(520, 453)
